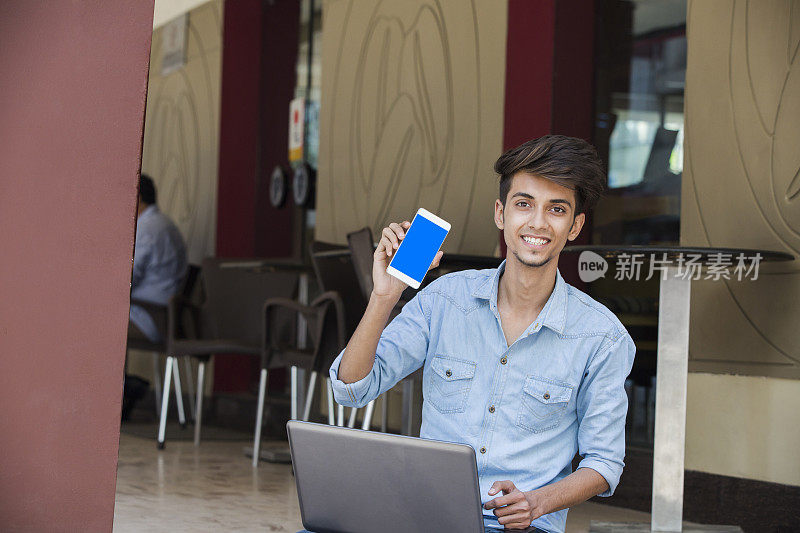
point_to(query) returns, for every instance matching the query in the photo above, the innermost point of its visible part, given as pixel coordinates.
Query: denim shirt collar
(554, 312)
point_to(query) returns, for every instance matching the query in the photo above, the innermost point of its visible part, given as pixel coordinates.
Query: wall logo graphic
(591, 266)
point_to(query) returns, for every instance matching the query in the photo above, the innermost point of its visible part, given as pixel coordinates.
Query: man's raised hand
(384, 285)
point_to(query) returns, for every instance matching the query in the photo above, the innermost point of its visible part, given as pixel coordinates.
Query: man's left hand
(514, 509)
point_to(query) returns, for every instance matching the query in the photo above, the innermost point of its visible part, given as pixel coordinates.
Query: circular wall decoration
(303, 184)
(278, 182)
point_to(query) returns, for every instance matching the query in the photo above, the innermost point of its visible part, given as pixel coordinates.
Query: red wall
(258, 79)
(72, 100)
(549, 82)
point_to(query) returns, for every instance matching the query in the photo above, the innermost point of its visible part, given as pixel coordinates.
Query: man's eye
(560, 209)
(522, 204)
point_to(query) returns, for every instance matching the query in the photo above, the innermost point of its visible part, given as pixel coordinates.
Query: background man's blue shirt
(526, 409)
(159, 266)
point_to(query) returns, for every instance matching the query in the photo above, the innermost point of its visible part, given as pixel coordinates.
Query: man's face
(537, 220)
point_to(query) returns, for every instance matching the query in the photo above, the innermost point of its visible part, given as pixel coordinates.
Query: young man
(517, 363)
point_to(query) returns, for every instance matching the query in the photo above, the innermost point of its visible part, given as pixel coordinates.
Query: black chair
(314, 351)
(228, 322)
(159, 314)
(362, 251)
(335, 272)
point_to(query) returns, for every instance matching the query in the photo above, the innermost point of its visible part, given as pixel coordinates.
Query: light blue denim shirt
(527, 408)
(159, 266)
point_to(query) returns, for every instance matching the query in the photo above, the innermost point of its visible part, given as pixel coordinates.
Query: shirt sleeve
(401, 350)
(142, 251)
(602, 408)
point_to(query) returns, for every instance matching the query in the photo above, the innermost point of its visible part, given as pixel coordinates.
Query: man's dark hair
(567, 161)
(147, 189)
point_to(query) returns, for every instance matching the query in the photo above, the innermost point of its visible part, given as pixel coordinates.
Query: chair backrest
(190, 282)
(235, 292)
(362, 252)
(335, 272)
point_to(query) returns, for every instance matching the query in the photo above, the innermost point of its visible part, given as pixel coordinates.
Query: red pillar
(549, 81)
(258, 79)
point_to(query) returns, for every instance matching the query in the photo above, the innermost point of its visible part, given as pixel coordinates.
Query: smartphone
(418, 249)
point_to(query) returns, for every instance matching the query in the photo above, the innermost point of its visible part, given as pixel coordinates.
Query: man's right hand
(385, 285)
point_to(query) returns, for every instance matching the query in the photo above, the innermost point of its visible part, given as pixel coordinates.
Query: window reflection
(641, 70)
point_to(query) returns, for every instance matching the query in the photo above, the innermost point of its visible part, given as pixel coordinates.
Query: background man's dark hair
(147, 189)
(567, 161)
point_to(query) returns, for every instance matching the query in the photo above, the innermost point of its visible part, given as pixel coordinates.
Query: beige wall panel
(741, 184)
(411, 116)
(181, 144)
(754, 421)
(181, 136)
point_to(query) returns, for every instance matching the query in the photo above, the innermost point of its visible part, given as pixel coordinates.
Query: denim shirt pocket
(450, 380)
(543, 403)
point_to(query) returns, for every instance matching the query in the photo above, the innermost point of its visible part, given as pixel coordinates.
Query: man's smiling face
(537, 220)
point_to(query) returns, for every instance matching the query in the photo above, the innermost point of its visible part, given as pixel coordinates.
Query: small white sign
(173, 44)
(296, 121)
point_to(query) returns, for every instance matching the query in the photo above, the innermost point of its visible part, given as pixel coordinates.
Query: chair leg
(162, 425)
(408, 406)
(384, 411)
(368, 416)
(340, 414)
(351, 422)
(157, 381)
(331, 416)
(312, 385)
(187, 365)
(178, 392)
(293, 411)
(262, 391)
(198, 416)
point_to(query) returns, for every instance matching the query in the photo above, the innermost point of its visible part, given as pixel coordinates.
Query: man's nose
(537, 219)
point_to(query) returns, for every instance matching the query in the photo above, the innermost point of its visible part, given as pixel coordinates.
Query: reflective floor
(214, 488)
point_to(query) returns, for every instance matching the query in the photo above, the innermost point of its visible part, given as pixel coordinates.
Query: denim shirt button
(546, 395)
(503, 360)
(491, 408)
(483, 449)
(448, 373)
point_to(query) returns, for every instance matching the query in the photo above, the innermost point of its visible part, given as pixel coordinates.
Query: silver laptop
(354, 481)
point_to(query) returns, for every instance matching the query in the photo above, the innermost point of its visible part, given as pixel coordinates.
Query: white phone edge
(433, 218)
(411, 282)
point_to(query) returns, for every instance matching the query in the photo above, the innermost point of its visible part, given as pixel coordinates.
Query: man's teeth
(535, 241)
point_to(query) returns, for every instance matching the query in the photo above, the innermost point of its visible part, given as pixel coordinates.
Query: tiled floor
(214, 488)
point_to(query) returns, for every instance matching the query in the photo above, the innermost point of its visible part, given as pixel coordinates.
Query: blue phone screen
(418, 248)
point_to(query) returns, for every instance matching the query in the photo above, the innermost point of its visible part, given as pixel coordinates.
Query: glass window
(641, 71)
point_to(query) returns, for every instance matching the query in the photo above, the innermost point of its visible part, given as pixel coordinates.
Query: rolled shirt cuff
(610, 473)
(348, 394)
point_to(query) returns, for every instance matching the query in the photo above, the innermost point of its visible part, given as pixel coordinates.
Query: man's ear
(577, 224)
(498, 214)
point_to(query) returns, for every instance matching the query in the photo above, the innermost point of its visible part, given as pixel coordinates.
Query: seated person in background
(159, 269)
(518, 364)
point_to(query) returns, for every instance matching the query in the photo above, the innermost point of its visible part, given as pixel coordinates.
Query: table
(673, 360)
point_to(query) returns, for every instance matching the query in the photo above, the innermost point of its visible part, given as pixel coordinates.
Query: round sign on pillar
(278, 181)
(303, 184)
